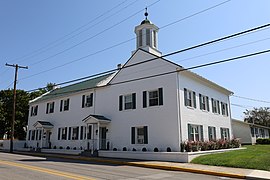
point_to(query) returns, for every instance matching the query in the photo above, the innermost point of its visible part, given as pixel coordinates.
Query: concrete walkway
(173, 166)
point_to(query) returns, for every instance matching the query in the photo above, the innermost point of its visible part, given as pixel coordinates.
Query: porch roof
(43, 124)
(93, 118)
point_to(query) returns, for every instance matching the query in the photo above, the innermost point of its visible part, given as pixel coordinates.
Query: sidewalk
(173, 166)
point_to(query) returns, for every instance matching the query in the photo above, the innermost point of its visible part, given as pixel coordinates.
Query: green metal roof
(73, 88)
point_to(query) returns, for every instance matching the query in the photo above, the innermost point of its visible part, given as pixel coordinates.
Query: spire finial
(146, 13)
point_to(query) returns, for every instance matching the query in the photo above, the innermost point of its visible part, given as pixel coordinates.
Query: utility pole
(16, 66)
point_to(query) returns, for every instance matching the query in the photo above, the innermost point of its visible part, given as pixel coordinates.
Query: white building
(248, 132)
(147, 103)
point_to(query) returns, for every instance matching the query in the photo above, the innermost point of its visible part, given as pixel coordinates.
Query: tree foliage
(260, 116)
(22, 110)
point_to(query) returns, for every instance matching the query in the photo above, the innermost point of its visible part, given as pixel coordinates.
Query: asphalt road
(13, 166)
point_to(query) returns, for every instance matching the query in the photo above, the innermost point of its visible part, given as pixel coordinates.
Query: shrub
(169, 149)
(155, 149)
(68, 147)
(81, 148)
(144, 149)
(60, 147)
(263, 141)
(74, 148)
(54, 147)
(124, 149)
(114, 149)
(134, 149)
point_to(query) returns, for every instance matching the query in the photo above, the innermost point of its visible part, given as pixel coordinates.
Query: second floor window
(50, 108)
(127, 101)
(224, 109)
(204, 102)
(64, 105)
(34, 110)
(190, 98)
(215, 106)
(87, 100)
(153, 98)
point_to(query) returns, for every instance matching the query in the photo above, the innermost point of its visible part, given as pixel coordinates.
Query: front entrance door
(47, 139)
(103, 138)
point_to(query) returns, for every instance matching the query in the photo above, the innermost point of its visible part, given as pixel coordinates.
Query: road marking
(45, 170)
(153, 176)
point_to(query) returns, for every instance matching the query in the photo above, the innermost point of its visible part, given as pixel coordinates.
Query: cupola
(146, 34)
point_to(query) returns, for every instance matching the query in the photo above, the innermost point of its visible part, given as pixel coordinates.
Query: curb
(137, 164)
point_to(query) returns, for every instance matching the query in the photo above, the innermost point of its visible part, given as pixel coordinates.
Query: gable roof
(188, 72)
(99, 81)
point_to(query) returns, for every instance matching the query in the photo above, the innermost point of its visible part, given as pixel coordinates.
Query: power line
(251, 99)
(75, 30)
(121, 42)
(175, 71)
(241, 106)
(169, 54)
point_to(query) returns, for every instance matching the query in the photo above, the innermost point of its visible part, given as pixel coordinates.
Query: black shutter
(61, 105)
(52, 107)
(160, 96)
(218, 107)
(228, 131)
(209, 129)
(69, 133)
(89, 132)
(81, 137)
(132, 135)
(29, 135)
(144, 99)
(67, 104)
(145, 135)
(65, 133)
(207, 103)
(227, 113)
(31, 111)
(185, 96)
(189, 132)
(221, 132)
(77, 135)
(59, 132)
(133, 100)
(91, 99)
(83, 99)
(194, 99)
(212, 100)
(47, 110)
(215, 135)
(120, 103)
(201, 131)
(200, 100)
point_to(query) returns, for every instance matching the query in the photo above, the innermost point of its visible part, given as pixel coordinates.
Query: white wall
(198, 116)
(242, 130)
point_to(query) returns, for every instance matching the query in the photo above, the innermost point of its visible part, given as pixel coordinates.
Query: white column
(98, 136)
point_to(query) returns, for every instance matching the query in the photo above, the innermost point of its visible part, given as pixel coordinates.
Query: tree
(260, 116)
(22, 110)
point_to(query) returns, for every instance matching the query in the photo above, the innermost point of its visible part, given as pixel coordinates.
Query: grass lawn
(254, 157)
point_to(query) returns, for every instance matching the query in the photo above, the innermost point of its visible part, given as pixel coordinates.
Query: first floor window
(252, 131)
(29, 134)
(225, 134)
(33, 135)
(139, 135)
(211, 133)
(189, 98)
(195, 132)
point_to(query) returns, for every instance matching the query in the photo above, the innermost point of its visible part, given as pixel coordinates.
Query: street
(14, 166)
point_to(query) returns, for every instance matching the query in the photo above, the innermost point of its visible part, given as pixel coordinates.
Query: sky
(65, 39)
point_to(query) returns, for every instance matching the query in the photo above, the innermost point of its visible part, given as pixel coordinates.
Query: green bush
(263, 141)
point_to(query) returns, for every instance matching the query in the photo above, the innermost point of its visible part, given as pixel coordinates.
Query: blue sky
(28, 27)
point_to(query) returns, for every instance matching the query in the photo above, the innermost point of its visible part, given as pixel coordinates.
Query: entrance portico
(44, 129)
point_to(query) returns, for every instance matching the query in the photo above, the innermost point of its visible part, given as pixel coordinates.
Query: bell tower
(146, 34)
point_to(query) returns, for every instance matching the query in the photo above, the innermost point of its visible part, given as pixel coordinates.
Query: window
(75, 133)
(83, 133)
(89, 132)
(62, 133)
(211, 133)
(50, 108)
(29, 135)
(261, 131)
(34, 110)
(64, 105)
(225, 133)
(204, 102)
(153, 98)
(139, 135)
(224, 109)
(148, 37)
(87, 100)
(195, 132)
(33, 135)
(155, 38)
(190, 98)
(140, 38)
(252, 131)
(215, 106)
(127, 101)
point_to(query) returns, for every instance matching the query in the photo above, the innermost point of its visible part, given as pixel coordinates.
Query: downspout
(94, 101)
(178, 111)
(229, 105)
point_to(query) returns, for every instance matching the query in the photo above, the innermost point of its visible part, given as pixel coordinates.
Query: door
(103, 138)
